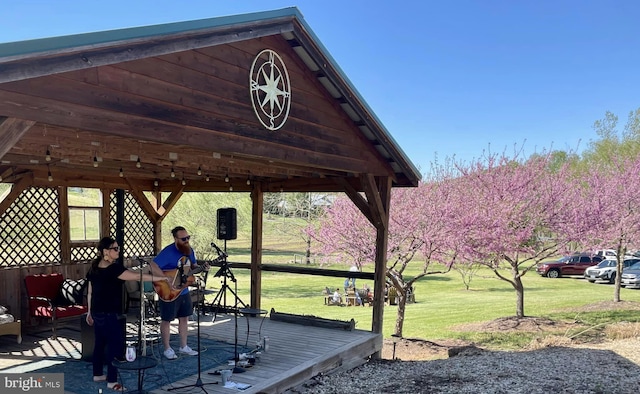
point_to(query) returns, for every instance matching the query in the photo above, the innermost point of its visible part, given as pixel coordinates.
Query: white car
(606, 270)
(606, 253)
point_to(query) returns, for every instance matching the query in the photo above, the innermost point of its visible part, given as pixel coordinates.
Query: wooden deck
(296, 352)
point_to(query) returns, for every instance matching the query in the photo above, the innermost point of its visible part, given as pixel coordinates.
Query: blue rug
(78, 373)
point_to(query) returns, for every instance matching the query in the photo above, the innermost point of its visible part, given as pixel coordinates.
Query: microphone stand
(226, 272)
(198, 382)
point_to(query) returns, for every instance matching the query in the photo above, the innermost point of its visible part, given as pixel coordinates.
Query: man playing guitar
(178, 258)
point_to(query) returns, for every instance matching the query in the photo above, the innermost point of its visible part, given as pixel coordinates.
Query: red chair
(49, 299)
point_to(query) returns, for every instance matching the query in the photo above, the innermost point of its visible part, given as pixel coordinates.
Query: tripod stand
(198, 382)
(225, 272)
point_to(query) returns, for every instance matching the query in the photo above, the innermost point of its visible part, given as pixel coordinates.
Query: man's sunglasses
(116, 248)
(185, 239)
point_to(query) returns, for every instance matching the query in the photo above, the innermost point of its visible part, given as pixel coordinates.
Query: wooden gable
(180, 103)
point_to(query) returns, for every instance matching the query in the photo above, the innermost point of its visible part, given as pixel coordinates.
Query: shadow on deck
(296, 352)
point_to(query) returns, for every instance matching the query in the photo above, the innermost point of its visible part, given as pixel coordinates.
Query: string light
(207, 178)
(230, 188)
(138, 164)
(95, 161)
(173, 173)
(183, 181)
(226, 178)
(0, 178)
(121, 174)
(199, 170)
(49, 176)
(155, 183)
(248, 181)
(47, 155)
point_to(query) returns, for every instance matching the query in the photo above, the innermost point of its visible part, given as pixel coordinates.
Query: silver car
(606, 270)
(631, 277)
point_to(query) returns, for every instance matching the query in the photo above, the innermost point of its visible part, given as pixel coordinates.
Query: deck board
(296, 352)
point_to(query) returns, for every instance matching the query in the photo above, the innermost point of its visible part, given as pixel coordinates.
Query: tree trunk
(402, 302)
(519, 297)
(616, 290)
(308, 250)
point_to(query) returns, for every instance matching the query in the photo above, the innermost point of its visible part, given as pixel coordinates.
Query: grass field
(442, 303)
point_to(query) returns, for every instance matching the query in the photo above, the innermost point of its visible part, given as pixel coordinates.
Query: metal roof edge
(50, 44)
(360, 100)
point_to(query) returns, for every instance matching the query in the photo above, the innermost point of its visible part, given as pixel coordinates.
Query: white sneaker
(170, 354)
(188, 351)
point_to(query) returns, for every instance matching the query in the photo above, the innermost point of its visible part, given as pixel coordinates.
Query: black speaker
(227, 228)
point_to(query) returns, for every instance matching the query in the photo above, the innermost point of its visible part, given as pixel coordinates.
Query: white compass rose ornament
(270, 89)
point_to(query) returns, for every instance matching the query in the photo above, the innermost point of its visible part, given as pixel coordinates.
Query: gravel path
(609, 367)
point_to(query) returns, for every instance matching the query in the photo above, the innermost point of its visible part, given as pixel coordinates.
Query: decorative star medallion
(270, 89)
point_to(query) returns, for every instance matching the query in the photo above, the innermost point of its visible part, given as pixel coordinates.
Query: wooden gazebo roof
(176, 98)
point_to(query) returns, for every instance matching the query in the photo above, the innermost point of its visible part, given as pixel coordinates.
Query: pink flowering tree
(613, 208)
(417, 225)
(514, 214)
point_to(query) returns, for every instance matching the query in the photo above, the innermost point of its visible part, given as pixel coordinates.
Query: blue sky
(447, 78)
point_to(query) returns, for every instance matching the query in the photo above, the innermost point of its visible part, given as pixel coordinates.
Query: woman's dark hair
(105, 243)
(176, 229)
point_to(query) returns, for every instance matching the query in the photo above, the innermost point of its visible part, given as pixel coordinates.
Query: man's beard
(185, 249)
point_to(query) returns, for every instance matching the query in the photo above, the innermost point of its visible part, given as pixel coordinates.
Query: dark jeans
(109, 337)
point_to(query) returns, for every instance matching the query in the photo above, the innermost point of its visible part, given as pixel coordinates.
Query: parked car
(568, 265)
(631, 277)
(607, 269)
(606, 253)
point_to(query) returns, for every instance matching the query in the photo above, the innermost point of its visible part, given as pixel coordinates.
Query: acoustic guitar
(169, 291)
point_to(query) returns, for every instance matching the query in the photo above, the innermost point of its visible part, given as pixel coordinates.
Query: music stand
(198, 382)
(225, 272)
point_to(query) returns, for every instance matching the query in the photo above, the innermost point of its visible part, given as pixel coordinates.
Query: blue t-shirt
(171, 258)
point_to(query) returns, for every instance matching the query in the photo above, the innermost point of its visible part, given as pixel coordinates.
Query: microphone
(141, 260)
(220, 252)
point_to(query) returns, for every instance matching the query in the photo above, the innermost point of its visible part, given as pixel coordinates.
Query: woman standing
(105, 305)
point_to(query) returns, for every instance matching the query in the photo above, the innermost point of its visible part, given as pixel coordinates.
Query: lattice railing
(30, 230)
(138, 231)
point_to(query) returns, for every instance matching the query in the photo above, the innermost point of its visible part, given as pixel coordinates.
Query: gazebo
(252, 103)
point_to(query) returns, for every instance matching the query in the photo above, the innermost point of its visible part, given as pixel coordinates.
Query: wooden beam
(257, 206)
(16, 189)
(378, 210)
(172, 199)
(105, 213)
(382, 238)
(143, 202)
(11, 130)
(65, 228)
(357, 199)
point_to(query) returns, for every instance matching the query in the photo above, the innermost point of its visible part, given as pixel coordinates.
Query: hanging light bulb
(173, 173)
(226, 178)
(207, 178)
(155, 183)
(199, 170)
(183, 182)
(138, 164)
(47, 155)
(49, 176)
(0, 178)
(95, 161)
(230, 188)
(248, 181)
(121, 174)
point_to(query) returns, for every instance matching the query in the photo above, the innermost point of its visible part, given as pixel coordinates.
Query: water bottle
(131, 353)
(266, 343)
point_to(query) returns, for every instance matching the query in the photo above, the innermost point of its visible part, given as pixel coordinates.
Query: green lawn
(441, 301)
